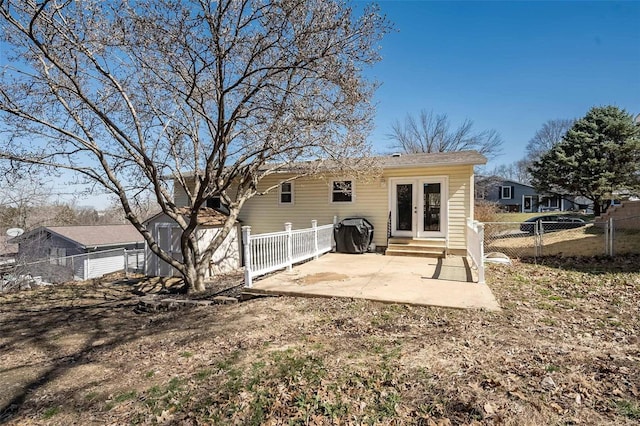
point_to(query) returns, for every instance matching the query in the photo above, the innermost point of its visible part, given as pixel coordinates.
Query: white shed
(166, 232)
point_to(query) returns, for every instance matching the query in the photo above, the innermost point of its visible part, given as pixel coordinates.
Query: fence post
(480, 227)
(126, 263)
(246, 241)
(538, 231)
(314, 225)
(287, 228)
(611, 237)
(606, 238)
(87, 273)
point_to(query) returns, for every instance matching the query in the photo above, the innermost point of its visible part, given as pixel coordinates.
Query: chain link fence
(79, 267)
(569, 237)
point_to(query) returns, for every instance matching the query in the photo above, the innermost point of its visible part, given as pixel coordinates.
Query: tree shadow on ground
(71, 324)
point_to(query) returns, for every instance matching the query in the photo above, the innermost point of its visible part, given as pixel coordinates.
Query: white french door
(418, 207)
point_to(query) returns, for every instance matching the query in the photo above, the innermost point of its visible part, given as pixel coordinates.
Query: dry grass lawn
(564, 350)
(583, 241)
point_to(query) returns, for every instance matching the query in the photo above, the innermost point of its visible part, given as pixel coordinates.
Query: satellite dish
(14, 232)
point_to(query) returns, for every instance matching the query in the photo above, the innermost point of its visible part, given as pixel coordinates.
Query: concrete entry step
(423, 247)
(418, 242)
(415, 253)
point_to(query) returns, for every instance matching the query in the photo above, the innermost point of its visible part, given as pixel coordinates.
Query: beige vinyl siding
(312, 200)
(179, 194)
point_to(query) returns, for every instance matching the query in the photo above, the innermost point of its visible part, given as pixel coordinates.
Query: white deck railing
(475, 246)
(264, 253)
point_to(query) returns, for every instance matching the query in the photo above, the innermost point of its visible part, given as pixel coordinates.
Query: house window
(57, 255)
(286, 193)
(217, 204)
(505, 192)
(56, 252)
(552, 203)
(342, 191)
(214, 203)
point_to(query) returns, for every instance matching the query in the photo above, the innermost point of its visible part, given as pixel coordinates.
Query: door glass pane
(432, 198)
(404, 197)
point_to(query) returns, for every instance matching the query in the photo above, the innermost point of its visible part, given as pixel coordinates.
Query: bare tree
(431, 132)
(18, 201)
(516, 171)
(216, 95)
(551, 132)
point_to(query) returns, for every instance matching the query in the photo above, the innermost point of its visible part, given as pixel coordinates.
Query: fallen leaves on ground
(564, 350)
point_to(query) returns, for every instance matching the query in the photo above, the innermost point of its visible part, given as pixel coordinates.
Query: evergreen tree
(599, 154)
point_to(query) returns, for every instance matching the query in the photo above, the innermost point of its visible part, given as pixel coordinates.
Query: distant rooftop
(93, 235)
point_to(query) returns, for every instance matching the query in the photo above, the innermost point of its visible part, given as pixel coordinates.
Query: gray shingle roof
(98, 235)
(206, 216)
(433, 159)
(397, 161)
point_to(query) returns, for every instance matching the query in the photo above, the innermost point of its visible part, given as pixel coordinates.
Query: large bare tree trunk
(194, 278)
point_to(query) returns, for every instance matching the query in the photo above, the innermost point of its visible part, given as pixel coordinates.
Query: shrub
(486, 211)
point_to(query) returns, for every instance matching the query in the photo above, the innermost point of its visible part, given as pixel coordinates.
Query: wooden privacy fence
(264, 253)
(475, 246)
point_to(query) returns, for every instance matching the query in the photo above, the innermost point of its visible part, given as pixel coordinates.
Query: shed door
(169, 241)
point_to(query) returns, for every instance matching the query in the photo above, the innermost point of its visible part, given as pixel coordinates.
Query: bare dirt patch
(564, 350)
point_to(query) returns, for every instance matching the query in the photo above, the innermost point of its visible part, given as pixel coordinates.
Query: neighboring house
(518, 197)
(89, 251)
(425, 197)
(47, 242)
(167, 233)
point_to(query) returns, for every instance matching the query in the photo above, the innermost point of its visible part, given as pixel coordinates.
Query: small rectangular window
(552, 203)
(214, 203)
(505, 192)
(341, 191)
(286, 193)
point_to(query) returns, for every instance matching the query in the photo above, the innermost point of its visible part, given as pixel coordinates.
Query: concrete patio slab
(382, 278)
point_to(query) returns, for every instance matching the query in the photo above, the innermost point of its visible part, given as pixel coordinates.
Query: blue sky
(508, 66)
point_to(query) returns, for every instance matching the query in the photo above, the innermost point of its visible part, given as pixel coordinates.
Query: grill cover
(353, 235)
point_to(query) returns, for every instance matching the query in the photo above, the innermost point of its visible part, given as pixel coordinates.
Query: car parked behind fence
(551, 223)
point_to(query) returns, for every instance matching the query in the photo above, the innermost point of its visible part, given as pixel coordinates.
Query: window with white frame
(342, 191)
(505, 192)
(286, 193)
(552, 202)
